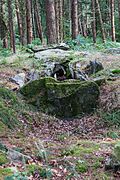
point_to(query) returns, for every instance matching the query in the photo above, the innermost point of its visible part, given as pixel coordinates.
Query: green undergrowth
(5, 172)
(116, 71)
(82, 43)
(12, 109)
(111, 118)
(43, 172)
(82, 150)
(3, 158)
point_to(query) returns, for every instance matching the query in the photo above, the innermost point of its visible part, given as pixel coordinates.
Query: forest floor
(61, 149)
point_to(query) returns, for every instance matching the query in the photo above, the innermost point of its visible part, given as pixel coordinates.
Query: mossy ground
(3, 158)
(4, 172)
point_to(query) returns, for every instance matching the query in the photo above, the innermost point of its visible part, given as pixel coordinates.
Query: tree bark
(10, 24)
(119, 17)
(19, 21)
(3, 31)
(112, 20)
(74, 18)
(29, 22)
(38, 20)
(57, 20)
(101, 21)
(50, 21)
(23, 19)
(93, 21)
(60, 20)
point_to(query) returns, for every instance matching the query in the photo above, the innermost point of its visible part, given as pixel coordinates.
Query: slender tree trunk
(57, 20)
(5, 40)
(11, 29)
(19, 20)
(84, 33)
(74, 18)
(34, 24)
(112, 20)
(119, 17)
(50, 21)
(101, 21)
(38, 20)
(23, 15)
(60, 20)
(29, 22)
(93, 21)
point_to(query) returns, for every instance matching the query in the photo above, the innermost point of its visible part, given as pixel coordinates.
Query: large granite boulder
(64, 99)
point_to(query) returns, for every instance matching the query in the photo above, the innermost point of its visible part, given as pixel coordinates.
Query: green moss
(117, 151)
(96, 164)
(3, 158)
(64, 99)
(81, 166)
(12, 108)
(5, 172)
(32, 168)
(8, 95)
(3, 129)
(44, 173)
(102, 176)
(81, 149)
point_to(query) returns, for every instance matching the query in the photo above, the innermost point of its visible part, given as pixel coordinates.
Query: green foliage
(3, 62)
(5, 172)
(82, 43)
(113, 135)
(3, 158)
(117, 151)
(5, 52)
(36, 42)
(32, 168)
(111, 118)
(116, 71)
(43, 172)
(81, 166)
(81, 149)
(17, 176)
(11, 108)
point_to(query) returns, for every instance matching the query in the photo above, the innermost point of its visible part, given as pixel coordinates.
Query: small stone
(18, 79)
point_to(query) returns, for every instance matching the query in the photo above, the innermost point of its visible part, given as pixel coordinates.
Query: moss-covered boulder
(63, 99)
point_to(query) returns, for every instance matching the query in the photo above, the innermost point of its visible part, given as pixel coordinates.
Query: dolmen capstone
(67, 98)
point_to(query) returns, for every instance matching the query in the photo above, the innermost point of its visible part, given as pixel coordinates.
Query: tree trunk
(38, 20)
(50, 21)
(19, 21)
(101, 21)
(29, 22)
(83, 30)
(93, 21)
(112, 20)
(60, 20)
(23, 15)
(74, 18)
(119, 17)
(5, 40)
(10, 23)
(57, 20)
